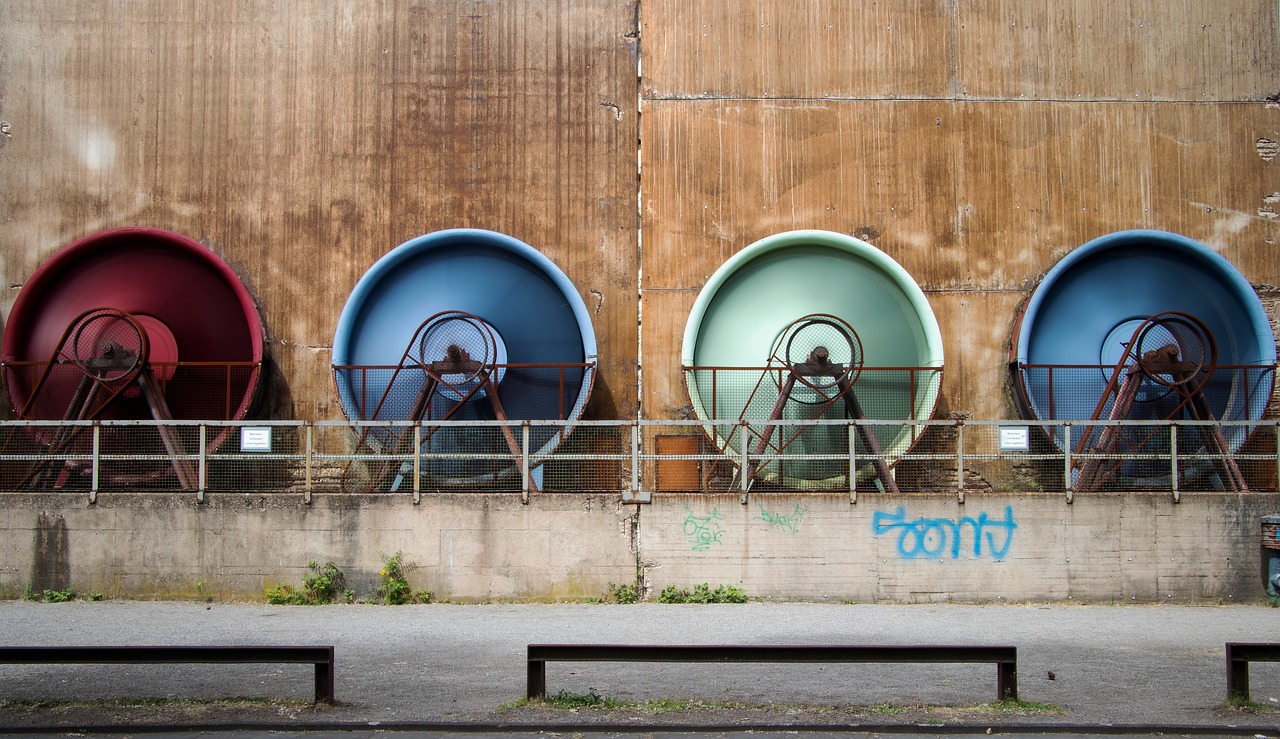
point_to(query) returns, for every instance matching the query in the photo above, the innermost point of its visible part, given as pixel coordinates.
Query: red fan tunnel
(130, 324)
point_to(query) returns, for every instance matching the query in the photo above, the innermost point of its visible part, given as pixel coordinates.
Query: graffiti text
(788, 522)
(934, 538)
(703, 531)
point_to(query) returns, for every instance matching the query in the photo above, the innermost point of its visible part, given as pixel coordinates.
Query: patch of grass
(891, 709)
(565, 700)
(673, 705)
(703, 593)
(1241, 704)
(42, 704)
(1021, 707)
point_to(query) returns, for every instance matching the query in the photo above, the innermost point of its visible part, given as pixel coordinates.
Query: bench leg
(537, 684)
(1007, 681)
(324, 682)
(1237, 678)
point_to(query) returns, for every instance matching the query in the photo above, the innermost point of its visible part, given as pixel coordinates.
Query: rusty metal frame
(1126, 376)
(846, 392)
(86, 405)
(1004, 657)
(1239, 655)
(320, 656)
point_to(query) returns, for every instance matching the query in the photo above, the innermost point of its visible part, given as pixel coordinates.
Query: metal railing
(636, 458)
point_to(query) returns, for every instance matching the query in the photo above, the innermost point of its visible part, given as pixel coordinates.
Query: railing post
(635, 460)
(524, 462)
(97, 448)
(201, 465)
(960, 459)
(307, 457)
(745, 468)
(1173, 461)
(417, 463)
(853, 461)
(1066, 462)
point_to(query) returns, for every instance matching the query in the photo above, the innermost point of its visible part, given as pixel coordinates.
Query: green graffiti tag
(788, 522)
(703, 531)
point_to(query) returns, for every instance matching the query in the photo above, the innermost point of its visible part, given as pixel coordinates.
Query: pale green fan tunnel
(759, 320)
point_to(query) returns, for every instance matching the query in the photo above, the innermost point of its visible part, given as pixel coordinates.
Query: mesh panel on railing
(257, 459)
(990, 466)
(598, 457)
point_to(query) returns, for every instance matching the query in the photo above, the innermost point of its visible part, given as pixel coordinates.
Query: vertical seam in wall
(639, 36)
(395, 97)
(639, 409)
(953, 52)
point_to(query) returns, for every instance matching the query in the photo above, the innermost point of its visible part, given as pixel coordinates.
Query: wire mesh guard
(454, 369)
(1165, 370)
(815, 372)
(106, 366)
(602, 457)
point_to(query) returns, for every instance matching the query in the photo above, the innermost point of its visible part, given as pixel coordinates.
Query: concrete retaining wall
(458, 546)
(1121, 547)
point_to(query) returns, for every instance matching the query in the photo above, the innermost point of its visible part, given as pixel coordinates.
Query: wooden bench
(1005, 658)
(1239, 655)
(321, 657)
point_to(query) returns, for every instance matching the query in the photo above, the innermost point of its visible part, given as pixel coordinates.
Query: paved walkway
(443, 667)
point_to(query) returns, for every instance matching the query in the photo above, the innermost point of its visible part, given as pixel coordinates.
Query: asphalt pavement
(445, 669)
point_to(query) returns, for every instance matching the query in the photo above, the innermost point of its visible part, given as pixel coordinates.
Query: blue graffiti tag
(788, 522)
(930, 538)
(703, 531)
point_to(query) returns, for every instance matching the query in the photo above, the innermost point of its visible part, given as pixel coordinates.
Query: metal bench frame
(1239, 655)
(1005, 658)
(321, 657)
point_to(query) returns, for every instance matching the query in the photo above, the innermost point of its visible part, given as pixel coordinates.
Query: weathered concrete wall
(1132, 547)
(458, 546)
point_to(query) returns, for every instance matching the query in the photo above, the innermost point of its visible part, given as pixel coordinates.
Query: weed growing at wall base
(395, 590)
(703, 593)
(319, 586)
(59, 596)
(50, 596)
(624, 594)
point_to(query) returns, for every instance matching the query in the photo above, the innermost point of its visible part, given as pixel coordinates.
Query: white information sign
(255, 439)
(1014, 439)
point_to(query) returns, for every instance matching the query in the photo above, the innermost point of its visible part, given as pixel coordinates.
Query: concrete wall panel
(1120, 548)
(463, 547)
